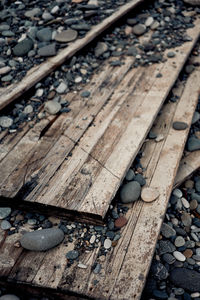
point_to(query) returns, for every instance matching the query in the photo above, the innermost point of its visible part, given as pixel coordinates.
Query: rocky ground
(175, 270)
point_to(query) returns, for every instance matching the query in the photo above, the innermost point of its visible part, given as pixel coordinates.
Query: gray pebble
(167, 231)
(46, 51)
(5, 225)
(73, 254)
(139, 29)
(130, 175)
(100, 49)
(4, 212)
(171, 54)
(180, 125)
(130, 192)
(44, 35)
(9, 297)
(52, 107)
(23, 47)
(179, 241)
(6, 122)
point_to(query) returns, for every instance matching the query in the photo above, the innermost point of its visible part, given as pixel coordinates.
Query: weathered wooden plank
(188, 165)
(39, 72)
(142, 244)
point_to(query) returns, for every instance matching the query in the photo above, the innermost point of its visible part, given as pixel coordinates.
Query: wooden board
(188, 165)
(87, 152)
(12, 92)
(124, 270)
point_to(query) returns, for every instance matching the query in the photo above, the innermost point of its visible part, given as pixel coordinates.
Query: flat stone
(196, 117)
(139, 29)
(120, 222)
(149, 194)
(167, 231)
(85, 94)
(171, 54)
(132, 51)
(81, 26)
(4, 27)
(180, 125)
(44, 35)
(188, 253)
(73, 254)
(5, 225)
(32, 12)
(9, 297)
(193, 143)
(28, 109)
(140, 179)
(168, 258)
(189, 184)
(23, 47)
(4, 212)
(46, 51)
(186, 219)
(82, 266)
(179, 241)
(196, 257)
(42, 240)
(186, 279)
(131, 21)
(5, 70)
(100, 49)
(186, 204)
(66, 36)
(47, 16)
(6, 122)
(177, 193)
(149, 21)
(179, 256)
(61, 89)
(52, 107)
(166, 247)
(130, 192)
(7, 33)
(107, 244)
(189, 69)
(97, 269)
(93, 239)
(6, 78)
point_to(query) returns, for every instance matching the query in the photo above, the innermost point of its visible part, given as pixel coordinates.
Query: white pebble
(92, 239)
(177, 193)
(194, 236)
(82, 266)
(185, 203)
(195, 295)
(179, 256)
(39, 93)
(159, 138)
(78, 79)
(149, 21)
(107, 243)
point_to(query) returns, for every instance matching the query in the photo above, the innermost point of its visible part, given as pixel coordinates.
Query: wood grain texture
(9, 94)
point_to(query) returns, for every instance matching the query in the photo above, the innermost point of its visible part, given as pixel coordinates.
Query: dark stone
(159, 271)
(180, 125)
(160, 294)
(166, 247)
(23, 47)
(186, 279)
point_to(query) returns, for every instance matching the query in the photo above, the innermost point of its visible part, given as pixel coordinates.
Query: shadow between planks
(126, 266)
(12, 92)
(81, 160)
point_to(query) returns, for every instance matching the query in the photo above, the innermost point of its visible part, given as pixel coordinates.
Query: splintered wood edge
(37, 73)
(187, 167)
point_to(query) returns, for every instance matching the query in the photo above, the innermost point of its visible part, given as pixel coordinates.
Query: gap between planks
(37, 73)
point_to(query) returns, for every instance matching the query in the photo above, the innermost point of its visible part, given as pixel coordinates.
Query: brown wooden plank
(37, 73)
(143, 242)
(188, 165)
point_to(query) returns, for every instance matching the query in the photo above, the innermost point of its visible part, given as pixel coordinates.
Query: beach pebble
(149, 194)
(130, 192)
(52, 107)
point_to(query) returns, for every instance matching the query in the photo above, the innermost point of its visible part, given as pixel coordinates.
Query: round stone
(42, 240)
(107, 243)
(188, 253)
(179, 256)
(6, 122)
(61, 89)
(23, 47)
(193, 144)
(120, 222)
(179, 241)
(168, 258)
(167, 231)
(28, 109)
(149, 194)
(177, 193)
(139, 29)
(66, 36)
(100, 49)
(180, 125)
(130, 192)
(52, 107)
(130, 175)
(186, 219)
(73, 254)
(44, 35)
(5, 225)
(4, 212)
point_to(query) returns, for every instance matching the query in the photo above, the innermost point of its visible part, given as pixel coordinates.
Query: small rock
(61, 89)
(9, 297)
(168, 258)
(130, 175)
(6, 122)
(166, 247)
(131, 21)
(52, 107)
(186, 279)
(92, 239)
(130, 192)
(171, 54)
(28, 109)
(66, 36)
(180, 125)
(33, 12)
(185, 203)
(23, 47)
(179, 241)
(73, 254)
(82, 266)
(189, 69)
(120, 222)
(186, 219)
(167, 231)
(128, 30)
(5, 225)
(149, 194)
(46, 51)
(97, 269)
(159, 271)
(196, 117)
(107, 243)
(44, 35)
(188, 253)
(42, 240)
(179, 256)
(78, 79)
(149, 21)
(159, 138)
(139, 29)
(4, 212)
(5, 70)
(7, 78)
(193, 144)
(47, 16)
(177, 193)
(85, 94)
(100, 49)
(132, 51)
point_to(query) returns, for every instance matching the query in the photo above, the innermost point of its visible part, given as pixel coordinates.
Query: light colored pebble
(39, 93)
(107, 243)
(185, 203)
(194, 236)
(177, 193)
(179, 256)
(179, 241)
(5, 122)
(195, 295)
(149, 194)
(92, 239)
(82, 266)
(78, 79)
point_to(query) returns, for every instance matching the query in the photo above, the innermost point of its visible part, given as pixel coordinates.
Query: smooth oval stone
(130, 192)
(66, 36)
(5, 122)
(149, 194)
(193, 143)
(180, 125)
(49, 50)
(4, 212)
(5, 225)
(167, 231)
(120, 222)
(42, 240)
(179, 256)
(44, 35)
(23, 47)
(107, 243)
(185, 278)
(9, 297)
(179, 241)
(139, 29)
(100, 49)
